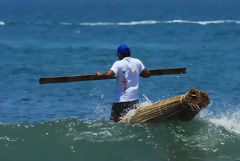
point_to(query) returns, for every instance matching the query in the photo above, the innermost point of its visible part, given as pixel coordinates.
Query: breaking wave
(134, 23)
(230, 123)
(76, 138)
(131, 23)
(2, 23)
(203, 22)
(153, 22)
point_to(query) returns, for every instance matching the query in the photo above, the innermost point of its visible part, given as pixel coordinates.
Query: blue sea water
(70, 121)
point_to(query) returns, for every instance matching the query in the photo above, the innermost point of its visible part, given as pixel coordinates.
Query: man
(127, 71)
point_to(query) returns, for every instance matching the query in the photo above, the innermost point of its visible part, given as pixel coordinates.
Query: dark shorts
(120, 109)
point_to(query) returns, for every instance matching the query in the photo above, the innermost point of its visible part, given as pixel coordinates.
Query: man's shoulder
(136, 60)
(116, 63)
(121, 62)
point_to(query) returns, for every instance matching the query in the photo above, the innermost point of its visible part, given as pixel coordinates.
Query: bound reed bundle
(183, 107)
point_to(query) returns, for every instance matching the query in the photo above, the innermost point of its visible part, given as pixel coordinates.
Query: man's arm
(109, 73)
(145, 73)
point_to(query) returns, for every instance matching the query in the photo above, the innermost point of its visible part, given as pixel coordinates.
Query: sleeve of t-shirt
(141, 67)
(115, 68)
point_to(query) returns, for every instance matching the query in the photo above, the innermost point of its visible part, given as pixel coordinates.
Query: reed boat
(183, 107)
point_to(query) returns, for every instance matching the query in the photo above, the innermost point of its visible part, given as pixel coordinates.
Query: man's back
(127, 72)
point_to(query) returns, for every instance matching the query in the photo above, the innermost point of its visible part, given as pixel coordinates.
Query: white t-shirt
(127, 72)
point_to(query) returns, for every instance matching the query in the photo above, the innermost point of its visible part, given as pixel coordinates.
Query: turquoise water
(71, 121)
(73, 139)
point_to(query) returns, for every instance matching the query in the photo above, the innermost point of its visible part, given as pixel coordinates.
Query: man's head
(123, 51)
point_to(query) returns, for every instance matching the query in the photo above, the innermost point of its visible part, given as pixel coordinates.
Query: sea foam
(153, 22)
(96, 23)
(143, 22)
(146, 22)
(2, 23)
(231, 122)
(66, 23)
(203, 22)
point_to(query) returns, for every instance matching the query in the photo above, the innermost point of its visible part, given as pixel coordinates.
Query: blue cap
(123, 49)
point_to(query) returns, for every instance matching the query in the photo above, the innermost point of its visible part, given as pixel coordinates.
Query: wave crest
(153, 22)
(2, 23)
(230, 123)
(203, 22)
(146, 22)
(141, 22)
(96, 23)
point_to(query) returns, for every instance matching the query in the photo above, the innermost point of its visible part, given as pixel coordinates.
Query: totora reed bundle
(184, 107)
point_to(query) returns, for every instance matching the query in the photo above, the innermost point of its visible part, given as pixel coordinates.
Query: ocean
(70, 121)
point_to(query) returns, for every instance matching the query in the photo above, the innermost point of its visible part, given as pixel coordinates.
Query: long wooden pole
(76, 78)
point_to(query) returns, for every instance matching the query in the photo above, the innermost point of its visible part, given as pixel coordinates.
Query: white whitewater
(2, 23)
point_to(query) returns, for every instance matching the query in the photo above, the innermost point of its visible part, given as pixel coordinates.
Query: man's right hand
(108, 74)
(98, 73)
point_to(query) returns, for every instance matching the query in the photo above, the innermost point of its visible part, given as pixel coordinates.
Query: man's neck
(125, 57)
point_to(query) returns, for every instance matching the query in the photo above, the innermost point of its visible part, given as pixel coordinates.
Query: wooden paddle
(75, 78)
